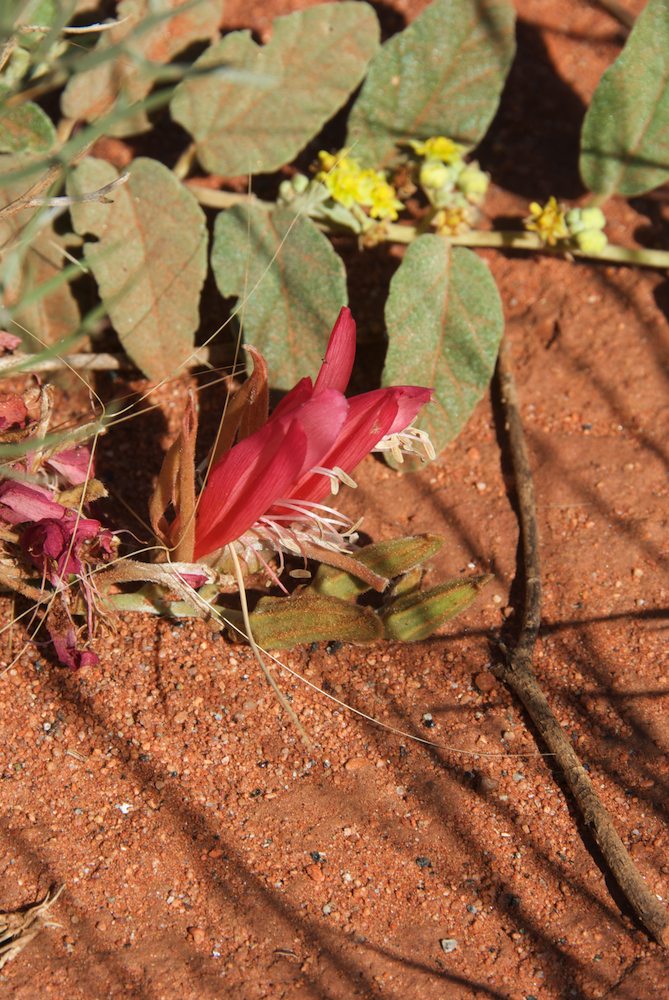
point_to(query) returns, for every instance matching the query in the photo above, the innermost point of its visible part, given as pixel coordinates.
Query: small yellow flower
(439, 148)
(384, 203)
(350, 184)
(548, 221)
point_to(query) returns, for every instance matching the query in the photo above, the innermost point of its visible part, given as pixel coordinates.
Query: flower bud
(591, 241)
(473, 182)
(435, 175)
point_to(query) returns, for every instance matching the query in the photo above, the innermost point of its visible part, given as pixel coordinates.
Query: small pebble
(485, 681)
(196, 934)
(315, 873)
(355, 763)
(484, 783)
(423, 862)
(448, 944)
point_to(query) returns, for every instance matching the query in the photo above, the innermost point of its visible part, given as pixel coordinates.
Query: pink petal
(8, 342)
(20, 502)
(322, 419)
(13, 412)
(298, 396)
(65, 646)
(370, 417)
(74, 464)
(246, 481)
(340, 354)
(366, 423)
(410, 399)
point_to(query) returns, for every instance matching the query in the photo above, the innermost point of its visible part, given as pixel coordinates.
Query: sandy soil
(206, 854)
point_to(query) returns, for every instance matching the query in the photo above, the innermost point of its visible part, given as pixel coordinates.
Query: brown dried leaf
(91, 94)
(175, 487)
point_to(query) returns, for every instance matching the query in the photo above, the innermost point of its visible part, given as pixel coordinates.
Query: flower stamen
(336, 477)
(410, 441)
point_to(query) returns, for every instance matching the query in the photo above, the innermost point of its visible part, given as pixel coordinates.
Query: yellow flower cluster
(548, 221)
(439, 148)
(350, 184)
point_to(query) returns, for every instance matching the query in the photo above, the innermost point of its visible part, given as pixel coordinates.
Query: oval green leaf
(445, 321)
(290, 282)
(150, 259)
(24, 128)
(314, 61)
(443, 75)
(625, 136)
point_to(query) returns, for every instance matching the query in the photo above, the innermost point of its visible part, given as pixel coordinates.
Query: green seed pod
(416, 616)
(390, 559)
(284, 622)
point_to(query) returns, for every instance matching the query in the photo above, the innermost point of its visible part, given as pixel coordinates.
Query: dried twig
(18, 362)
(17, 929)
(517, 673)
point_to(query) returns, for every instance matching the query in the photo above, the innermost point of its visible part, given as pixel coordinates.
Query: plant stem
(214, 198)
(517, 673)
(393, 232)
(182, 167)
(510, 240)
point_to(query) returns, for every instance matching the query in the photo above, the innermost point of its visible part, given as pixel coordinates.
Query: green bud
(591, 241)
(435, 175)
(416, 616)
(578, 219)
(474, 183)
(286, 192)
(593, 218)
(409, 583)
(300, 183)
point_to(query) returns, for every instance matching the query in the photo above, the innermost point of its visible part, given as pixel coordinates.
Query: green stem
(213, 198)
(182, 167)
(507, 240)
(495, 239)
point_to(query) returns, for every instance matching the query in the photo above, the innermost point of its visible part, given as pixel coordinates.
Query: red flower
(314, 438)
(57, 545)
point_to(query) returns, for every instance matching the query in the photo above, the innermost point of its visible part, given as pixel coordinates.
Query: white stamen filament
(336, 477)
(410, 441)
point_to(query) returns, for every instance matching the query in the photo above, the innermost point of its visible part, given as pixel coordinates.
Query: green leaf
(389, 559)
(416, 616)
(289, 281)
(24, 128)
(443, 75)
(150, 260)
(150, 31)
(625, 136)
(445, 321)
(313, 62)
(284, 622)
